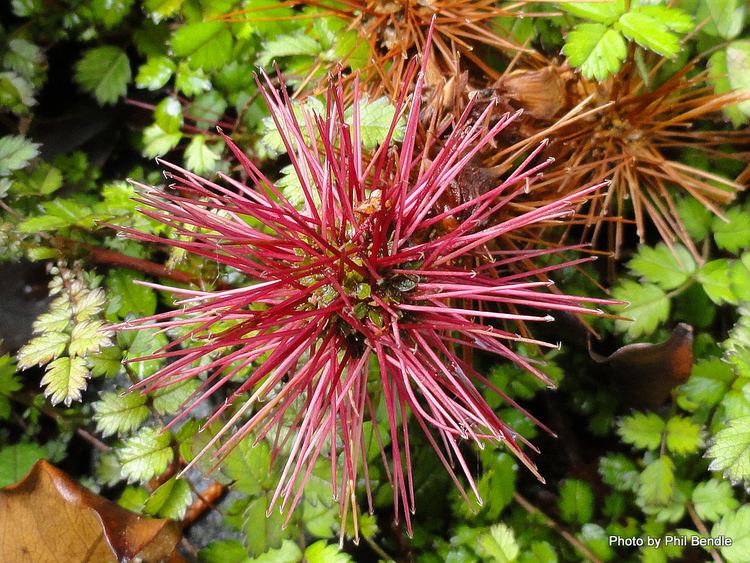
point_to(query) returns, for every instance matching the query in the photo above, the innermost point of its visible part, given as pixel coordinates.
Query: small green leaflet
(321, 552)
(619, 472)
(648, 307)
(88, 337)
(657, 482)
(597, 50)
(168, 114)
(683, 435)
(288, 45)
(42, 349)
(65, 379)
(206, 45)
(289, 552)
(119, 414)
(642, 430)
(666, 268)
(733, 234)
(730, 450)
(714, 498)
(155, 73)
(602, 12)
(170, 500)
(738, 70)
(199, 157)
(735, 525)
(576, 501)
(15, 153)
(498, 544)
(146, 454)
(105, 73)
(157, 142)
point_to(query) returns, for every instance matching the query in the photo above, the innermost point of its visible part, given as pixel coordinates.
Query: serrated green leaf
(88, 303)
(683, 435)
(206, 45)
(602, 12)
(133, 498)
(191, 81)
(24, 57)
(44, 179)
(375, 119)
(111, 12)
(145, 455)
(65, 379)
(88, 336)
(730, 450)
(145, 343)
(119, 414)
(718, 68)
(734, 234)
(597, 50)
(131, 297)
(170, 500)
(16, 94)
(642, 430)
(648, 306)
(498, 544)
(735, 526)
(155, 73)
(15, 153)
(16, 461)
(618, 471)
(288, 45)
(662, 266)
(696, 217)
(42, 349)
(161, 9)
(56, 319)
(249, 467)
(107, 362)
(105, 73)
(321, 552)
(674, 19)
(714, 498)
(727, 17)
(709, 381)
(157, 142)
(576, 501)
(168, 400)
(199, 157)
(714, 278)
(649, 32)
(657, 482)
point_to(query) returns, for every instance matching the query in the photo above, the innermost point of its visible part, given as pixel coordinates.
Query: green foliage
(17, 460)
(145, 455)
(170, 500)
(105, 73)
(734, 525)
(666, 268)
(15, 153)
(713, 498)
(576, 501)
(730, 450)
(119, 414)
(642, 430)
(647, 306)
(599, 48)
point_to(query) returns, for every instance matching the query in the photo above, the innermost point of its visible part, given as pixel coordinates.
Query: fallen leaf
(646, 373)
(47, 516)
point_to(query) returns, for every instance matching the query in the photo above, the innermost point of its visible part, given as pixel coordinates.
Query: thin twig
(567, 536)
(701, 527)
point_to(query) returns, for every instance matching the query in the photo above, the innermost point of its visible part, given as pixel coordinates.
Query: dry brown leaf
(47, 516)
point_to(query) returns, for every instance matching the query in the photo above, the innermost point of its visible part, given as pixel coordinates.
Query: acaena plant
(355, 299)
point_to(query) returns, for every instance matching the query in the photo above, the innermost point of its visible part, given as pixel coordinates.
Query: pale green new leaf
(199, 157)
(649, 32)
(88, 336)
(714, 498)
(662, 266)
(157, 142)
(642, 430)
(730, 450)
(168, 400)
(65, 380)
(15, 153)
(375, 118)
(57, 318)
(88, 303)
(289, 552)
(105, 73)
(597, 50)
(736, 526)
(683, 435)
(657, 482)
(249, 466)
(161, 9)
(602, 12)
(170, 500)
(146, 454)
(42, 349)
(321, 552)
(498, 544)
(673, 18)
(648, 307)
(714, 278)
(727, 16)
(118, 414)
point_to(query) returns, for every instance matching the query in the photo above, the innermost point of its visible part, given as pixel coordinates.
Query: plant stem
(567, 536)
(701, 527)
